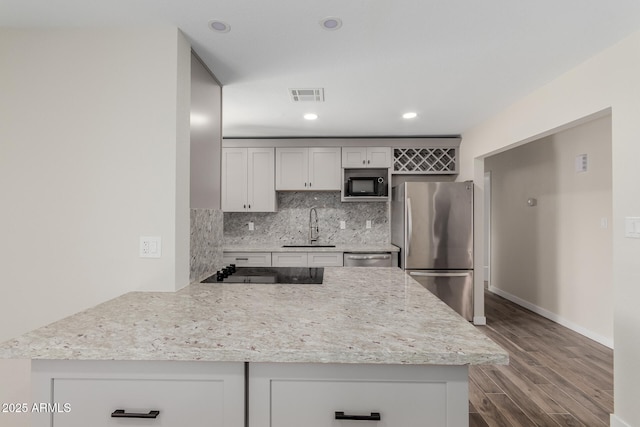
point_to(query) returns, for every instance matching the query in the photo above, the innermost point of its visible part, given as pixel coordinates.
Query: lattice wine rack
(424, 160)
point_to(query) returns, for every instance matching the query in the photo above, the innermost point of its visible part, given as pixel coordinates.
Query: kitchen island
(363, 330)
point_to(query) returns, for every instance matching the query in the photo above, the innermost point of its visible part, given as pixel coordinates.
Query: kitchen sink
(308, 246)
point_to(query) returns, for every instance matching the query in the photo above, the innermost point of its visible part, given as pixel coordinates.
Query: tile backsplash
(290, 225)
(206, 242)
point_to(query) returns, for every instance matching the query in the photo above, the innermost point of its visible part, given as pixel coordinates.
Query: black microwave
(371, 186)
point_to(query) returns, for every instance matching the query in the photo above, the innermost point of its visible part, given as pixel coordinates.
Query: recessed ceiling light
(331, 23)
(310, 116)
(410, 115)
(219, 26)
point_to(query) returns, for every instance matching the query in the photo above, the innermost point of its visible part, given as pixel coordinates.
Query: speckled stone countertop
(358, 315)
(338, 248)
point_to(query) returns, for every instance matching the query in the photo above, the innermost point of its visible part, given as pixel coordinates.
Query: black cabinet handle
(375, 416)
(120, 413)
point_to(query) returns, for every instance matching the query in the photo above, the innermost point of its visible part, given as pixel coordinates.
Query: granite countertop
(358, 315)
(275, 247)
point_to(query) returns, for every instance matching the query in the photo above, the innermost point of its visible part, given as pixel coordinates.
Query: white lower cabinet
(214, 394)
(307, 259)
(289, 259)
(158, 394)
(317, 395)
(325, 259)
(247, 259)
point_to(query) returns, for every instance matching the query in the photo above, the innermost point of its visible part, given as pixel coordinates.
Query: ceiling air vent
(313, 95)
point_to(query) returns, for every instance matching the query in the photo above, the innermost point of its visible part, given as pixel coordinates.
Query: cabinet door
(292, 168)
(234, 180)
(401, 395)
(324, 259)
(93, 401)
(378, 157)
(247, 259)
(354, 157)
(261, 191)
(195, 394)
(324, 168)
(289, 259)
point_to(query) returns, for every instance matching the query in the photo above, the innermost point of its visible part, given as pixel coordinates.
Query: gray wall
(556, 257)
(206, 140)
(206, 137)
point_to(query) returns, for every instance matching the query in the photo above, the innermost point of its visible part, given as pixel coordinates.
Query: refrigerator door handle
(409, 225)
(421, 274)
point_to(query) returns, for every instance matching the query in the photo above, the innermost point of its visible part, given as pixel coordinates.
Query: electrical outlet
(251, 226)
(368, 223)
(150, 246)
(343, 225)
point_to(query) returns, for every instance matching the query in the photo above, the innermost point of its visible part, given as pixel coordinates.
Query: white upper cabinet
(248, 180)
(366, 157)
(261, 191)
(234, 180)
(292, 168)
(308, 168)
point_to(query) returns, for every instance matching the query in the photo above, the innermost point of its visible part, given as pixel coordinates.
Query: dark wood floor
(556, 377)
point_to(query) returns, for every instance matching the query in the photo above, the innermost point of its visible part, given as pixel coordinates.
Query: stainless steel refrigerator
(432, 223)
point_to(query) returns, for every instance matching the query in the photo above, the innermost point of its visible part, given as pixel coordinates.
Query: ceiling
(453, 62)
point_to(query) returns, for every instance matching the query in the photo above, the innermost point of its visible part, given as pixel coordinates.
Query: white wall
(95, 142)
(555, 257)
(94, 152)
(607, 81)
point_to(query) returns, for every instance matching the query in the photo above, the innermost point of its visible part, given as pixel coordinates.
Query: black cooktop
(285, 275)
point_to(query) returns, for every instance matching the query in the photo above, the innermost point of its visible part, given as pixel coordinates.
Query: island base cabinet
(155, 394)
(318, 395)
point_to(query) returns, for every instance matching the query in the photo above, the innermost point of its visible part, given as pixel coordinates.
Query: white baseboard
(479, 320)
(553, 316)
(617, 422)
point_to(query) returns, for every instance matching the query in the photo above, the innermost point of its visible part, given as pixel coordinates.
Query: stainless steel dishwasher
(375, 259)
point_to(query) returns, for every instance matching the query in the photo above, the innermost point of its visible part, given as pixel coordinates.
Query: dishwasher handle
(376, 256)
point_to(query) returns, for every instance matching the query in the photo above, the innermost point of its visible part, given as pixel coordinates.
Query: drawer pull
(242, 259)
(375, 416)
(120, 413)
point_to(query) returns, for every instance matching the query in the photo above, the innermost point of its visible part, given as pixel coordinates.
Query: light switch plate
(581, 163)
(343, 225)
(150, 247)
(251, 226)
(632, 227)
(368, 223)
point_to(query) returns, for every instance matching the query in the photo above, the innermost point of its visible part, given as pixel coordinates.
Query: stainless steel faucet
(313, 226)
